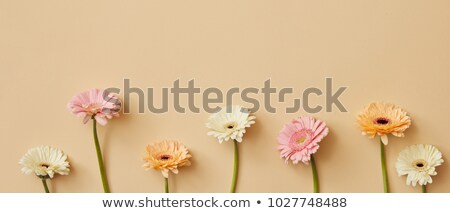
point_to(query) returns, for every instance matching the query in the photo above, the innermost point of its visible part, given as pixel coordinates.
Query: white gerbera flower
(230, 123)
(418, 162)
(45, 161)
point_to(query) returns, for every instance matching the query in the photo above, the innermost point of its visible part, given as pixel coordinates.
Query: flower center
(44, 165)
(420, 165)
(230, 126)
(165, 157)
(92, 108)
(301, 140)
(382, 121)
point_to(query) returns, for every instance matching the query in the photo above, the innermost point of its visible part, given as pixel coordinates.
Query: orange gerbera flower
(167, 155)
(383, 119)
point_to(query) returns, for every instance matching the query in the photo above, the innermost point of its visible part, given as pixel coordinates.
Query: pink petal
(86, 119)
(101, 120)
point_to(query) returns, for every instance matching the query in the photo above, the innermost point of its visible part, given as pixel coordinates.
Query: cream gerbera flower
(419, 162)
(45, 162)
(167, 155)
(383, 119)
(230, 123)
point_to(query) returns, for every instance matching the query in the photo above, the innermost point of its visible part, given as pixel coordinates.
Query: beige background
(395, 51)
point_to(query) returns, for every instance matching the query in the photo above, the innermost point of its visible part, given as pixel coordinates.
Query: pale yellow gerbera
(383, 119)
(167, 155)
(418, 162)
(230, 123)
(45, 162)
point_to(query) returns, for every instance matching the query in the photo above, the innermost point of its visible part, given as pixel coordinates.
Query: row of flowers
(298, 142)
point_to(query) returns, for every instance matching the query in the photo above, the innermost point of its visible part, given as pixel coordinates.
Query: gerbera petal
(86, 119)
(384, 139)
(101, 120)
(165, 173)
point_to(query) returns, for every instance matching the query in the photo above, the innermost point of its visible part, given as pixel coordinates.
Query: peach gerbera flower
(167, 155)
(299, 139)
(96, 104)
(383, 119)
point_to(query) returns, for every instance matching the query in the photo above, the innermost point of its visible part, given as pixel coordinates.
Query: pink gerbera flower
(97, 104)
(299, 139)
(100, 105)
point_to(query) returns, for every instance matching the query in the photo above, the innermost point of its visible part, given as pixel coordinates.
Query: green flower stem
(383, 168)
(315, 175)
(236, 167)
(166, 185)
(100, 159)
(424, 188)
(44, 182)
